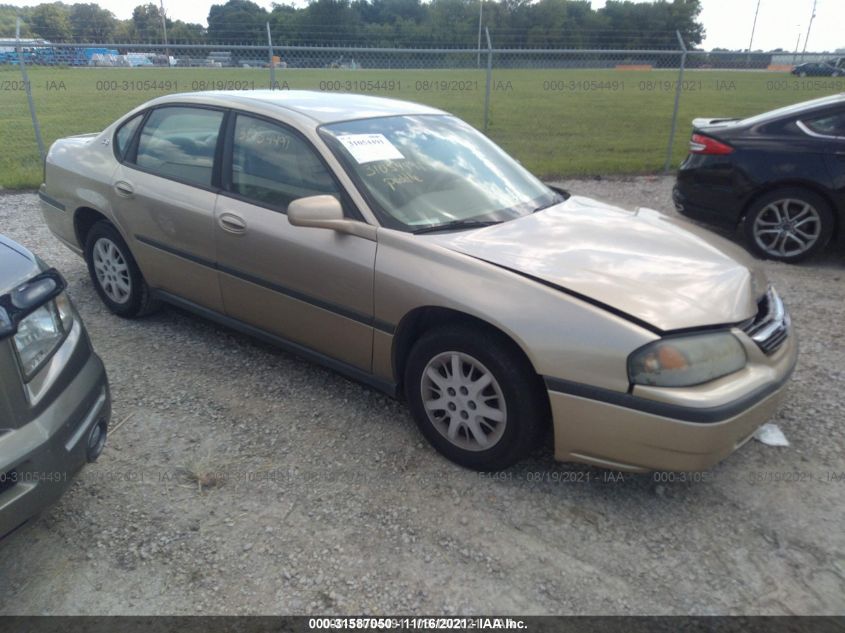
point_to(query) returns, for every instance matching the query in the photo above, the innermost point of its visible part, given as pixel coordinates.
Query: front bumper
(38, 460)
(688, 430)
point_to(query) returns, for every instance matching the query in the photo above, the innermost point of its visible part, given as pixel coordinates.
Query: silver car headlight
(41, 332)
(685, 361)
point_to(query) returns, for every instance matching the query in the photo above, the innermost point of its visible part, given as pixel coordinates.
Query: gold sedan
(398, 245)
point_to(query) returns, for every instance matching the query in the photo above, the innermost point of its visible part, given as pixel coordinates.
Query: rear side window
(829, 125)
(179, 143)
(124, 135)
(273, 166)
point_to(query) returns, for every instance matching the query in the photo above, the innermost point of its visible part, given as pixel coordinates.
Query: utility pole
(754, 26)
(480, 11)
(809, 26)
(164, 31)
(797, 44)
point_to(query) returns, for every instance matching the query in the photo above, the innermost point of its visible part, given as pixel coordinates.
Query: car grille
(770, 326)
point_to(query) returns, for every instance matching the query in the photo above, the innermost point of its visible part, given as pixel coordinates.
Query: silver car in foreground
(398, 245)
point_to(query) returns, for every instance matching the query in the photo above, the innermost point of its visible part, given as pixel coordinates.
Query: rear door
(163, 197)
(829, 128)
(311, 286)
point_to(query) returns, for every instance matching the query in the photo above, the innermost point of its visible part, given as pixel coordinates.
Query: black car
(780, 174)
(55, 404)
(815, 69)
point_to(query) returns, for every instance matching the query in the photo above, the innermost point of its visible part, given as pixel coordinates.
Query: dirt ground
(239, 479)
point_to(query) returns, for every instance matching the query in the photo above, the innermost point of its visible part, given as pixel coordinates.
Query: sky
(727, 22)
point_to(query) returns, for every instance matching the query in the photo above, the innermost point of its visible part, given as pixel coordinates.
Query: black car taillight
(700, 144)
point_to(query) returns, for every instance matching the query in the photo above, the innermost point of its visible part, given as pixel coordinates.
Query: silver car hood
(660, 270)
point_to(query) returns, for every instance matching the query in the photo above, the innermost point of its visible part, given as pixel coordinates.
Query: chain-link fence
(562, 112)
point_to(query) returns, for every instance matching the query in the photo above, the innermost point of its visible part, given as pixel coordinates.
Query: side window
(829, 124)
(179, 143)
(273, 166)
(125, 133)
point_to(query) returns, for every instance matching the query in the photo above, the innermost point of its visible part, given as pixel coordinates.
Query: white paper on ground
(368, 148)
(771, 435)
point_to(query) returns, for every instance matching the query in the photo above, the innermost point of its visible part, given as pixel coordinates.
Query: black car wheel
(115, 275)
(475, 397)
(788, 225)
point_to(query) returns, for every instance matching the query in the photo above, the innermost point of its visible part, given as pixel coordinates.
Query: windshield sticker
(368, 148)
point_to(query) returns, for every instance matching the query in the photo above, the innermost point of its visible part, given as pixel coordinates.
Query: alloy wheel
(787, 228)
(112, 270)
(463, 401)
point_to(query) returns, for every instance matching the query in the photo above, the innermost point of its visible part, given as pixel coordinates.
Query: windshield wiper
(457, 225)
(557, 200)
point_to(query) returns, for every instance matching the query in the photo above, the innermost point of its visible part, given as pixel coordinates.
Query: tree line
(449, 23)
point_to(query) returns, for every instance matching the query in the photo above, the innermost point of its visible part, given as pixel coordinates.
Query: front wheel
(788, 225)
(475, 397)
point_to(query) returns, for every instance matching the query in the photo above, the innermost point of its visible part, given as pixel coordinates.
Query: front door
(313, 287)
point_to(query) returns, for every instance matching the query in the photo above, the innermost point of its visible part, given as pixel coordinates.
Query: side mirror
(315, 211)
(325, 212)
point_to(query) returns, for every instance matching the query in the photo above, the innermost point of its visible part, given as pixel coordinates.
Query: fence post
(668, 164)
(270, 59)
(489, 80)
(28, 89)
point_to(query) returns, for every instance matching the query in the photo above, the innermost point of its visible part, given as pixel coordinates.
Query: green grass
(557, 122)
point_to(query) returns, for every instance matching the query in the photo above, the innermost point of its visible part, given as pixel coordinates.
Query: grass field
(557, 122)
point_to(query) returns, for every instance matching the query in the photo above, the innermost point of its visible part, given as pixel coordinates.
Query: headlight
(41, 333)
(686, 360)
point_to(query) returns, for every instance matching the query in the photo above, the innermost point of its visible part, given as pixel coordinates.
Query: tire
(802, 74)
(115, 274)
(514, 397)
(788, 225)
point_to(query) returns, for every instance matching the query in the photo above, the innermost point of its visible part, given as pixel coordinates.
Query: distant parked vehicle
(136, 60)
(818, 69)
(54, 395)
(780, 174)
(220, 59)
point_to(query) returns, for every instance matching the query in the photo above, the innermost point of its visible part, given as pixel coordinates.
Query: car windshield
(425, 172)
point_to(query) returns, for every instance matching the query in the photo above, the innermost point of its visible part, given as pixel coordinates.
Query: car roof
(794, 109)
(17, 264)
(319, 107)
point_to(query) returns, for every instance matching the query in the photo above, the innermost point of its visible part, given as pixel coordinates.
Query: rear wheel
(115, 274)
(788, 225)
(475, 397)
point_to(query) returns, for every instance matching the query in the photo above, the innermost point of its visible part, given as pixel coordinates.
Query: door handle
(232, 223)
(124, 189)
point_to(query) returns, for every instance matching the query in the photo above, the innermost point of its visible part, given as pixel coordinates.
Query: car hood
(659, 270)
(17, 264)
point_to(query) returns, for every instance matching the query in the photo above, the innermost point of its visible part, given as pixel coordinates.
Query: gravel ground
(330, 501)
